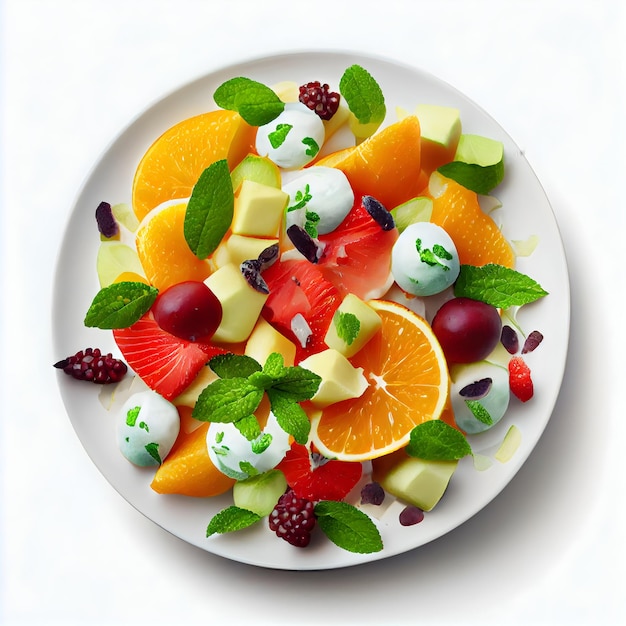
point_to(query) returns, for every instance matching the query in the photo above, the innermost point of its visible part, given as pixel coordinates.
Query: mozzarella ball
(424, 260)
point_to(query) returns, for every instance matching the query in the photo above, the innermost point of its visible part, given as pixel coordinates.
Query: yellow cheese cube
(340, 379)
(258, 209)
(241, 303)
(347, 335)
(240, 248)
(265, 339)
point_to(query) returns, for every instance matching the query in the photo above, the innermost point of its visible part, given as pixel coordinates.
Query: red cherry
(188, 310)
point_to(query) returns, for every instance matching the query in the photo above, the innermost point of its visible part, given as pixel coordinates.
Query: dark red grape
(468, 330)
(189, 310)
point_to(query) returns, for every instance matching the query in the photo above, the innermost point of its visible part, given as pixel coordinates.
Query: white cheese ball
(424, 260)
(495, 402)
(319, 192)
(239, 458)
(147, 427)
(293, 139)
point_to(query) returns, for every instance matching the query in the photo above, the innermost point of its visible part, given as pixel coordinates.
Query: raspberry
(92, 365)
(293, 519)
(520, 382)
(319, 99)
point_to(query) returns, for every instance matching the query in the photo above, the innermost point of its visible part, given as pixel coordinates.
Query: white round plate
(525, 212)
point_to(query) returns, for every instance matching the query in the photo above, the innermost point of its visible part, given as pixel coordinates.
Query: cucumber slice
(257, 169)
(115, 258)
(415, 210)
(260, 493)
(478, 163)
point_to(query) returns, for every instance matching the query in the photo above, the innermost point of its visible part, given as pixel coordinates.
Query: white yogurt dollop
(239, 458)
(321, 196)
(147, 428)
(293, 139)
(424, 260)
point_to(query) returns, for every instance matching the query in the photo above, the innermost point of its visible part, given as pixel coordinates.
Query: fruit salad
(314, 306)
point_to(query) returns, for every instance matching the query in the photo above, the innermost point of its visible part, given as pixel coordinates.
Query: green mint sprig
(120, 305)
(347, 326)
(363, 95)
(236, 395)
(479, 412)
(437, 441)
(255, 102)
(231, 519)
(210, 210)
(497, 285)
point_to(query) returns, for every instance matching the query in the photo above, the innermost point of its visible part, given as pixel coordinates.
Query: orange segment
(408, 384)
(163, 250)
(386, 165)
(477, 238)
(188, 470)
(173, 163)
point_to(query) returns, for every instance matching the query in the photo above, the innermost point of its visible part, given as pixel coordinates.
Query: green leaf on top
(347, 326)
(232, 365)
(120, 305)
(231, 519)
(363, 95)
(227, 400)
(437, 441)
(497, 285)
(255, 102)
(210, 210)
(289, 415)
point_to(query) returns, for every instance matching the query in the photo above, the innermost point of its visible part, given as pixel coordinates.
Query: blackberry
(92, 365)
(293, 519)
(319, 99)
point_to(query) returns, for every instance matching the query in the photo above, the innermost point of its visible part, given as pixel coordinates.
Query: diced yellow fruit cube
(340, 379)
(240, 248)
(265, 339)
(287, 90)
(369, 324)
(439, 124)
(241, 303)
(258, 209)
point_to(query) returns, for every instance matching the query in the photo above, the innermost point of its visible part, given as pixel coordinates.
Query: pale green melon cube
(355, 322)
(258, 210)
(340, 379)
(439, 124)
(241, 303)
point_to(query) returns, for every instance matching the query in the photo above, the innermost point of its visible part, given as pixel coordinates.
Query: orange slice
(408, 384)
(173, 163)
(188, 470)
(163, 251)
(477, 238)
(386, 165)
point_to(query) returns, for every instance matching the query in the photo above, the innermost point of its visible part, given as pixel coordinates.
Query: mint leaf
(278, 136)
(347, 326)
(363, 95)
(479, 412)
(312, 146)
(275, 365)
(298, 383)
(289, 415)
(497, 285)
(210, 209)
(153, 450)
(477, 178)
(249, 427)
(256, 103)
(232, 365)
(347, 527)
(262, 443)
(437, 441)
(231, 519)
(227, 400)
(120, 305)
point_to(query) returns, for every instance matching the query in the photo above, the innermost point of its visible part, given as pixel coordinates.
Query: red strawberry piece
(520, 381)
(315, 478)
(167, 364)
(298, 287)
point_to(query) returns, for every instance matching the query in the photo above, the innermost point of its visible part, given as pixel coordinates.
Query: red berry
(93, 366)
(293, 519)
(188, 310)
(520, 381)
(319, 99)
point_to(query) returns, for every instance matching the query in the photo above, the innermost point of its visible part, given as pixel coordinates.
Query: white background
(549, 550)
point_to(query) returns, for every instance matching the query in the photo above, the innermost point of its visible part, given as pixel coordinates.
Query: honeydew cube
(355, 322)
(440, 128)
(241, 303)
(412, 480)
(340, 379)
(258, 209)
(240, 248)
(265, 339)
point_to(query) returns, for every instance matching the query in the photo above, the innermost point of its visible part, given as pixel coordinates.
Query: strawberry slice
(520, 381)
(315, 478)
(164, 362)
